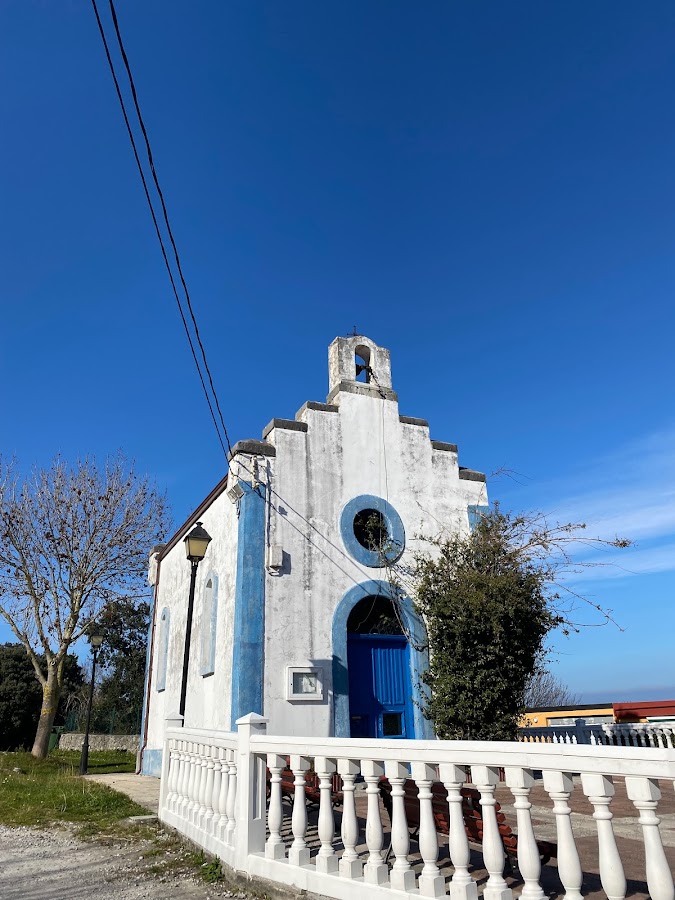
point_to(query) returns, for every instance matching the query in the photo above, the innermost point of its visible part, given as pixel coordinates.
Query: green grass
(48, 791)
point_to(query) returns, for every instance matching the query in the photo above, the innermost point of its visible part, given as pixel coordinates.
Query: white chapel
(300, 605)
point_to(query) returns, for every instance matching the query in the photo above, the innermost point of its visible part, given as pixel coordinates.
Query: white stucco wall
(356, 445)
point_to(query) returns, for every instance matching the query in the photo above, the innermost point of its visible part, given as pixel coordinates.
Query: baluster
(200, 788)
(181, 801)
(171, 774)
(431, 882)
(274, 848)
(559, 786)
(326, 861)
(350, 865)
(462, 886)
(298, 855)
(231, 798)
(375, 870)
(215, 793)
(600, 789)
(486, 779)
(645, 795)
(222, 794)
(402, 876)
(521, 782)
(207, 818)
(190, 799)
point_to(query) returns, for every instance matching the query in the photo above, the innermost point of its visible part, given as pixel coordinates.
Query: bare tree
(74, 539)
(544, 689)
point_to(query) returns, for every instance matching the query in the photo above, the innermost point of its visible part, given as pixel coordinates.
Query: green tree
(74, 540)
(20, 695)
(120, 695)
(489, 600)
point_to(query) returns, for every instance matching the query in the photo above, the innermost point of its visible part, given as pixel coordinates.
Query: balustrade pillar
(172, 773)
(222, 794)
(462, 886)
(298, 855)
(431, 882)
(190, 798)
(207, 818)
(559, 786)
(180, 802)
(231, 798)
(375, 870)
(215, 792)
(520, 781)
(274, 847)
(402, 877)
(326, 861)
(200, 787)
(350, 865)
(600, 789)
(486, 779)
(645, 795)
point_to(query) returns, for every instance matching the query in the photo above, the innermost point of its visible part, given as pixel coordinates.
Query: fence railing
(216, 791)
(643, 734)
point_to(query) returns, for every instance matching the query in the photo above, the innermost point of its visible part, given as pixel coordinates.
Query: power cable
(151, 163)
(156, 223)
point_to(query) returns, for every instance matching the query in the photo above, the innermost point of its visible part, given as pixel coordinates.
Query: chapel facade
(301, 612)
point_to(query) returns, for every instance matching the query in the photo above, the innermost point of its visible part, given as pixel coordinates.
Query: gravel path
(54, 865)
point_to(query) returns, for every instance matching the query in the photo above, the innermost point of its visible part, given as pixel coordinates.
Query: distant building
(295, 615)
(600, 713)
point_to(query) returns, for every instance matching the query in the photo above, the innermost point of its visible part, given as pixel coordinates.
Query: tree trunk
(51, 693)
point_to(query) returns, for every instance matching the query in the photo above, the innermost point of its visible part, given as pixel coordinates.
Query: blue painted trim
(207, 655)
(395, 530)
(475, 513)
(419, 659)
(163, 648)
(249, 606)
(152, 762)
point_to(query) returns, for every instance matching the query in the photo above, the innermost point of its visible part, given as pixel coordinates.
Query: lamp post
(95, 639)
(196, 543)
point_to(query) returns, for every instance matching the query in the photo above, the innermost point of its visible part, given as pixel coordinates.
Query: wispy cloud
(629, 494)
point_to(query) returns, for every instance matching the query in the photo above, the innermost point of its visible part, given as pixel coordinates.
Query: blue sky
(486, 189)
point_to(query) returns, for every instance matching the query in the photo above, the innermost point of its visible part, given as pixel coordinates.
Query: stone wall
(128, 742)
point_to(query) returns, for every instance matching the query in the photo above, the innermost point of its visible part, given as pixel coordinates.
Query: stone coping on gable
(285, 425)
(471, 475)
(252, 447)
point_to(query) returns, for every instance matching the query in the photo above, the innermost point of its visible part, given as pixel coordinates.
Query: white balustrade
(431, 882)
(350, 865)
(486, 779)
(559, 786)
(402, 876)
(326, 860)
(462, 886)
(645, 794)
(600, 789)
(274, 848)
(521, 782)
(214, 791)
(375, 870)
(298, 855)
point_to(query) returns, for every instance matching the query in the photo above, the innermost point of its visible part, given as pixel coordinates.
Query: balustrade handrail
(606, 760)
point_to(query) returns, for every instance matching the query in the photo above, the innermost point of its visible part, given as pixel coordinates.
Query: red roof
(643, 709)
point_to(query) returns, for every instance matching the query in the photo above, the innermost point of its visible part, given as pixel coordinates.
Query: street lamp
(95, 639)
(196, 543)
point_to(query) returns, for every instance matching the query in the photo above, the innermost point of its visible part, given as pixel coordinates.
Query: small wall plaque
(304, 683)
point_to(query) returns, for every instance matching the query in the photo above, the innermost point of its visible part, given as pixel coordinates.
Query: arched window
(362, 363)
(163, 648)
(208, 630)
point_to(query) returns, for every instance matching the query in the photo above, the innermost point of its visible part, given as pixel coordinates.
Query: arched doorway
(378, 660)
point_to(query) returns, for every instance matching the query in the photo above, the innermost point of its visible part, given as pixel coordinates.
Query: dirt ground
(54, 865)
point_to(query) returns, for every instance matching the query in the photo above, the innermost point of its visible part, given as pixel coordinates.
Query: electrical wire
(156, 223)
(151, 163)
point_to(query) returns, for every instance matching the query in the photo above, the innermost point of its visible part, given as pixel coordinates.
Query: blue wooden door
(379, 686)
